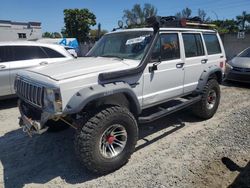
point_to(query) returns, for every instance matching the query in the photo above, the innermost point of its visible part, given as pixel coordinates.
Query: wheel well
(118, 99)
(216, 75)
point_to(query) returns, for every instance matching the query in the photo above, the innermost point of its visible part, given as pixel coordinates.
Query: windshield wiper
(112, 56)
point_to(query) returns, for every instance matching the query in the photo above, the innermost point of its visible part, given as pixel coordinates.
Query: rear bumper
(238, 76)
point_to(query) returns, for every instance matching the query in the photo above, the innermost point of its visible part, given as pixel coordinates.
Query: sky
(108, 12)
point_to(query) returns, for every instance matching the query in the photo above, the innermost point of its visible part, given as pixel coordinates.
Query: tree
(95, 34)
(203, 15)
(185, 13)
(52, 35)
(77, 23)
(136, 17)
(47, 35)
(226, 26)
(57, 35)
(242, 20)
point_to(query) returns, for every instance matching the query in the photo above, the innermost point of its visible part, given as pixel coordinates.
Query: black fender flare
(83, 97)
(206, 74)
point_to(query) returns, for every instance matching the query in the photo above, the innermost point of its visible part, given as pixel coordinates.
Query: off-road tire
(88, 137)
(200, 109)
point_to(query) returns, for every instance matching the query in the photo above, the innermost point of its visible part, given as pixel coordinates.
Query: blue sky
(50, 12)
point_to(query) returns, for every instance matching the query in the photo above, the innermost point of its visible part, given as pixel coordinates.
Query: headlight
(52, 100)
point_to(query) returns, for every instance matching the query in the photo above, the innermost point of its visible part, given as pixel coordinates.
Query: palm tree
(243, 19)
(137, 15)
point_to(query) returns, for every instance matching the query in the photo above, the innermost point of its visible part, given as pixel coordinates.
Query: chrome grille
(239, 69)
(29, 91)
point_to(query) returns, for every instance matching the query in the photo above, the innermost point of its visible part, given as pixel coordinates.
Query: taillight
(222, 64)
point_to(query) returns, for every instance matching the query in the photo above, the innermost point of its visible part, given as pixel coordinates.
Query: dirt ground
(175, 151)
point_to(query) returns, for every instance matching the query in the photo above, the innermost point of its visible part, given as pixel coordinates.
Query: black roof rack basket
(172, 21)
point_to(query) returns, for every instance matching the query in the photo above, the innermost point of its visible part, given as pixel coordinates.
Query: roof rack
(172, 21)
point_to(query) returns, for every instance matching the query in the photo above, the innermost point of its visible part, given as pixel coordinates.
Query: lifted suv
(130, 76)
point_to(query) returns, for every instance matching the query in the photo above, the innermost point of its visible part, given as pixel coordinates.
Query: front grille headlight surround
(52, 100)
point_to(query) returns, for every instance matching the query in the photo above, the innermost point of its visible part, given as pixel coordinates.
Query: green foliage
(243, 21)
(136, 17)
(47, 35)
(95, 34)
(78, 23)
(52, 35)
(226, 26)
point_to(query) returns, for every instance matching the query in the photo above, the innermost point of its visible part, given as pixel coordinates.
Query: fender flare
(205, 76)
(79, 100)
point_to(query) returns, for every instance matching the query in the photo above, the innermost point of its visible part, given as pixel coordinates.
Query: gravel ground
(175, 151)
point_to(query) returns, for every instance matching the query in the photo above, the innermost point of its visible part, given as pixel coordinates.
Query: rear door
(4, 72)
(215, 51)
(195, 60)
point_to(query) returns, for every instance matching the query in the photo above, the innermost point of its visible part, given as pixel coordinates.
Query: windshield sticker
(135, 40)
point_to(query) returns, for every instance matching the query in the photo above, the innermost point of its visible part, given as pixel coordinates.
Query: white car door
(195, 60)
(4, 73)
(167, 81)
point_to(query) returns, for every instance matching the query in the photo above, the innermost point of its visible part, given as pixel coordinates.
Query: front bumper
(32, 120)
(238, 76)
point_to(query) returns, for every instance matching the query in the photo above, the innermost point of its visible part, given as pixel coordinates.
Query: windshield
(123, 45)
(245, 53)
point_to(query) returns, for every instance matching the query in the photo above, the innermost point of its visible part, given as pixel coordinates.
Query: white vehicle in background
(70, 44)
(15, 56)
(71, 50)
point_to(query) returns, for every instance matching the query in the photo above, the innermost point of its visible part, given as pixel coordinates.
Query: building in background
(12, 31)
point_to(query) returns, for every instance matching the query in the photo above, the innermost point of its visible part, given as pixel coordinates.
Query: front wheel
(107, 140)
(210, 100)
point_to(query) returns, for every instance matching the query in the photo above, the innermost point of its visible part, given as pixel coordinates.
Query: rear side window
(6, 54)
(2, 54)
(27, 52)
(193, 44)
(167, 47)
(212, 44)
(52, 53)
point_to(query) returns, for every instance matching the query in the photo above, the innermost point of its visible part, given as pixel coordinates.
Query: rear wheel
(210, 100)
(107, 140)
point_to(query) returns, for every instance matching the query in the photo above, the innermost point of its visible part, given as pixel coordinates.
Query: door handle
(43, 63)
(204, 61)
(2, 66)
(179, 65)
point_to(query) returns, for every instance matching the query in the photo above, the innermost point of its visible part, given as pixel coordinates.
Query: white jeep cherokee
(106, 94)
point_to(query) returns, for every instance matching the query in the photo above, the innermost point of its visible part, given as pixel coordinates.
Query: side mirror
(153, 68)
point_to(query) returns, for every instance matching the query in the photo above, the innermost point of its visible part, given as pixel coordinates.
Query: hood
(242, 62)
(83, 66)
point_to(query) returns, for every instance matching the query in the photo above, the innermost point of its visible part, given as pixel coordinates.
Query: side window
(167, 47)
(27, 52)
(2, 54)
(193, 44)
(212, 44)
(52, 53)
